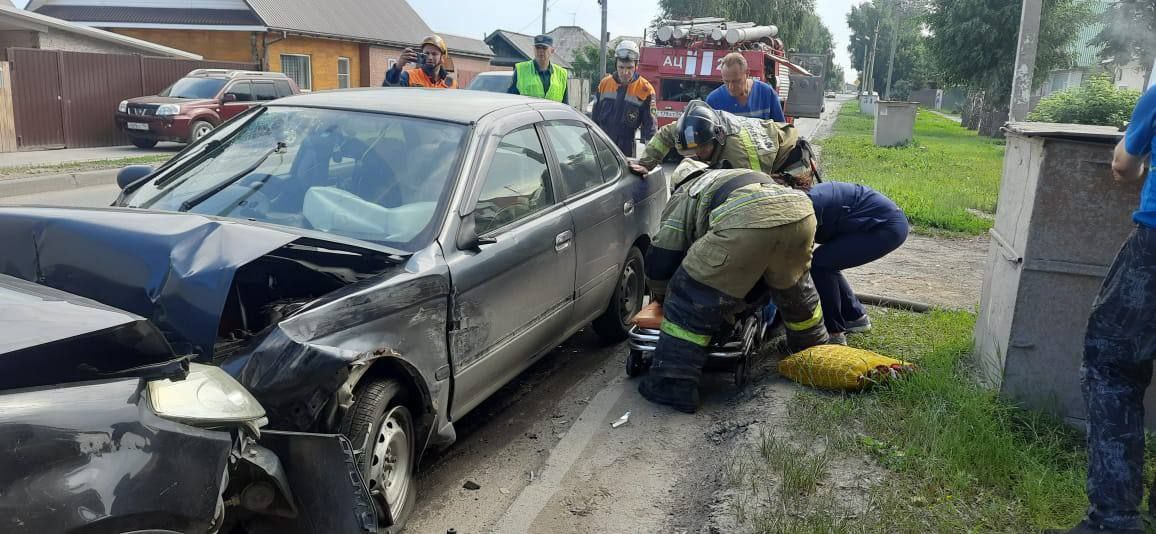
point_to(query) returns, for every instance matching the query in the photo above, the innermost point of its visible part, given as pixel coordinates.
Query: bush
(1095, 102)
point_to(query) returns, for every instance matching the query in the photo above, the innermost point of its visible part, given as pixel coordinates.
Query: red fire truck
(684, 64)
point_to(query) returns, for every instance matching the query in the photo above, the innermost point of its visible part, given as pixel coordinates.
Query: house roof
(459, 44)
(151, 15)
(12, 16)
(568, 40)
(391, 22)
(524, 44)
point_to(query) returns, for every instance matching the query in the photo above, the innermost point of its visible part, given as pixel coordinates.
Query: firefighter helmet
(627, 50)
(697, 126)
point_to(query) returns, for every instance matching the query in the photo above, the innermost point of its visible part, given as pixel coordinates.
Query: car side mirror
(468, 238)
(132, 174)
(229, 97)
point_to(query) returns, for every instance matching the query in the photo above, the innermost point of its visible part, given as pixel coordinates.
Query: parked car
(103, 428)
(830, 94)
(191, 107)
(494, 82)
(373, 263)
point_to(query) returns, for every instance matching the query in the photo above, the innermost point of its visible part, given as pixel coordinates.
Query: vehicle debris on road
(621, 420)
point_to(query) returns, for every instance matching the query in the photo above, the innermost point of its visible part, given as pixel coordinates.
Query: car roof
(440, 104)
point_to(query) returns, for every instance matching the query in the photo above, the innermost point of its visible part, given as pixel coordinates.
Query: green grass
(957, 458)
(945, 172)
(81, 166)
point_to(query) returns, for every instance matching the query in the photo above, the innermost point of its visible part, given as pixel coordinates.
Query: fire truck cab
(685, 61)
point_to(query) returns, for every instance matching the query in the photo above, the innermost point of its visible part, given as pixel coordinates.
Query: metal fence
(67, 99)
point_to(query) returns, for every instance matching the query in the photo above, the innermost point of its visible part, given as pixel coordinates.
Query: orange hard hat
(436, 41)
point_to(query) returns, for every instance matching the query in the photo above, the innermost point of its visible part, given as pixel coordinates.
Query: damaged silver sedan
(373, 263)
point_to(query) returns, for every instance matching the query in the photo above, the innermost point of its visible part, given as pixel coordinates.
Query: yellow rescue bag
(841, 367)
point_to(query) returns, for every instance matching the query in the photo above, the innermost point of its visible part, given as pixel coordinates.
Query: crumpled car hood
(51, 337)
(174, 269)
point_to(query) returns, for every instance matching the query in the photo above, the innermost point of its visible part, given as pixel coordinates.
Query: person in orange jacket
(431, 73)
(625, 101)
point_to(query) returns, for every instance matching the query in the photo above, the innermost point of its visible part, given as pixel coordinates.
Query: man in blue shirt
(1119, 347)
(742, 96)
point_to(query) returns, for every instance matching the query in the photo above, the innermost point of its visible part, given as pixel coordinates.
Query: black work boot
(680, 394)
(1086, 527)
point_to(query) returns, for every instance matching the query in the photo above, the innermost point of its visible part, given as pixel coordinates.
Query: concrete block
(894, 122)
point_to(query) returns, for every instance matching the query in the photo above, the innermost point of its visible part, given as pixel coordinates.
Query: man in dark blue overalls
(1119, 347)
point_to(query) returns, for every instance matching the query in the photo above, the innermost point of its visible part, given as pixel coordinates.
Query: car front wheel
(381, 429)
(198, 130)
(614, 323)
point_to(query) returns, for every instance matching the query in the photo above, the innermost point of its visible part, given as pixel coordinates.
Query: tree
(585, 65)
(974, 42)
(1129, 33)
(835, 77)
(911, 64)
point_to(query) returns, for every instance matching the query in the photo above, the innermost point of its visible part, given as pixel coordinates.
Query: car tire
(143, 142)
(380, 426)
(614, 323)
(199, 129)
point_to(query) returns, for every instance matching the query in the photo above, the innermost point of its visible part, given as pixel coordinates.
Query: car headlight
(168, 110)
(206, 395)
(123, 107)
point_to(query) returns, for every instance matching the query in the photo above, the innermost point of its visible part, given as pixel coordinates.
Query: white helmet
(627, 49)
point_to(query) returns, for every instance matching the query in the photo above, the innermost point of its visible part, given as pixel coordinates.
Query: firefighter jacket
(620, 109)
(762, 145)
(709, 200)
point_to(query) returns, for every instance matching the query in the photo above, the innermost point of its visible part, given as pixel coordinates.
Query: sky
(624, 17)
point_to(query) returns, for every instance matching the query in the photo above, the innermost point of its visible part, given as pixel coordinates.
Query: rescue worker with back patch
(727, 235)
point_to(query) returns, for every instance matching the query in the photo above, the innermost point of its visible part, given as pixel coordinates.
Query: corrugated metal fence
(67, 99)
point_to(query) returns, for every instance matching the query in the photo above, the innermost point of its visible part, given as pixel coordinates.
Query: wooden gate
(37, 98)
(68, 99)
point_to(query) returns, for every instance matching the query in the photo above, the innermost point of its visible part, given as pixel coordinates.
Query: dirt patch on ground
(942, 272)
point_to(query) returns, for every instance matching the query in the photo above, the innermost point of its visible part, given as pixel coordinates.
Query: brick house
(329, 44)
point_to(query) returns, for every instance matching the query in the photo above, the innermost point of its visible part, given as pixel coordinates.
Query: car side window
(611, 165)
(517, 183)
(264, 91)
(283, 89)
(242, 90)
(574, 149)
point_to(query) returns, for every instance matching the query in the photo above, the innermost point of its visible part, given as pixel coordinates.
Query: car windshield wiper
(209, 193)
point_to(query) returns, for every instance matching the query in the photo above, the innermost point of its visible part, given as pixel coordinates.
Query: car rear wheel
(198, 130)
(614, 323)
(380, 427)
(144, 142)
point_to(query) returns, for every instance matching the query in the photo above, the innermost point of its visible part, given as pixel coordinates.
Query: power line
(536, 19)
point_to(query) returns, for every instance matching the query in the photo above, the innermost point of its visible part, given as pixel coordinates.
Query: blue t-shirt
(1140, 141)
(763, 102)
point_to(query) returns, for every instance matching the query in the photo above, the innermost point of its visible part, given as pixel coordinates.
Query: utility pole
(543, 17)
(871, 63)
(1021, 95)
(602, 42)
(894, 48)
(863, 71)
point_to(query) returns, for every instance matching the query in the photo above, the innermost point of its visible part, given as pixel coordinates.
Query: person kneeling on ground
(723, 233)
(857, 225)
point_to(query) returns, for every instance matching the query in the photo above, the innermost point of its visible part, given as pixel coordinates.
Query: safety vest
(530, 84)
(418, 78)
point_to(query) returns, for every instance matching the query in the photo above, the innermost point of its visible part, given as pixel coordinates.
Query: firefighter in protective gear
(726, 141)
(727, 236)
(625, 101)
(432, 73)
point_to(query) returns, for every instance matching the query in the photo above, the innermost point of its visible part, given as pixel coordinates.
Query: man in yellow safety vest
(541, 78)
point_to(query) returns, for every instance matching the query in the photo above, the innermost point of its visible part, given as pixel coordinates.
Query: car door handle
(628, 208)
(562, 241)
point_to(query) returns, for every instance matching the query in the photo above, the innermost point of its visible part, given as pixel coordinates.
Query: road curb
(57, 182)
